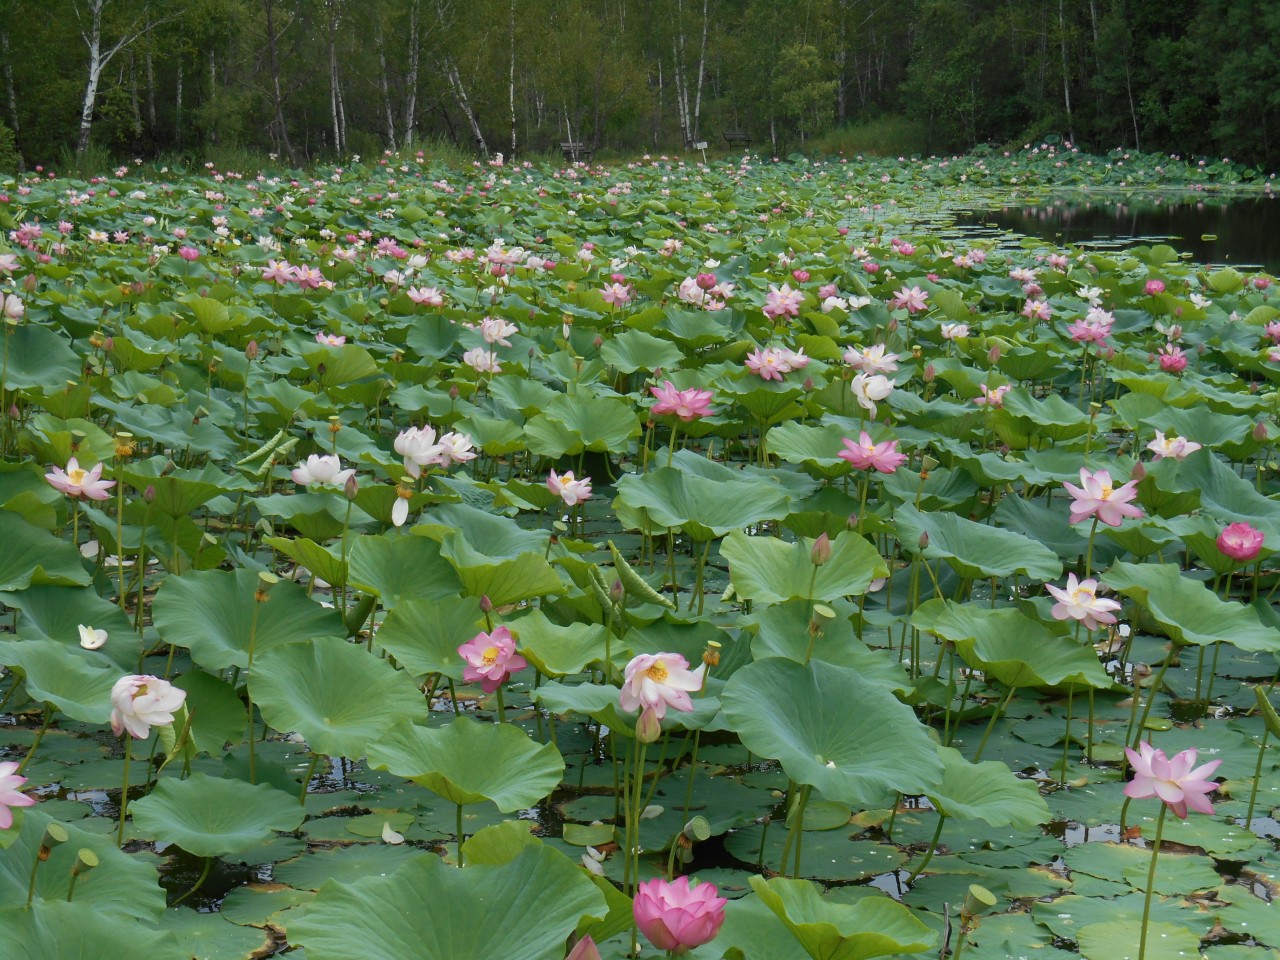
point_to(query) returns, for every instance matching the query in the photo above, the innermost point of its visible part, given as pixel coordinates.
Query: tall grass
(890, 135)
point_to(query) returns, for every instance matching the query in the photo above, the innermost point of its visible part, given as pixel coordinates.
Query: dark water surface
(1221, 230)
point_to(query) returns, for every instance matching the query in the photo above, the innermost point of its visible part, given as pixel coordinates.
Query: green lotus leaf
(77, 682)
(705, 508)
(871, 927)
(1113, 940)
(1052, 418)
(987, 791)
(600, 703)
(522, 910)
(217, 713)
(214, 614)
(311, 870)
(307, 553)
(1010, 647)
(1189, 610)
(34, 556)
(424, 635)
(468, 762)
(37, 357)
(56, 613)
(53, 930)
(634, 350)
(210, 936)
(340, 697)
(976, 550)
(557, 650)
(798, 714)
(212, 816)
(817, 448)
(571, 424)
(770, 570)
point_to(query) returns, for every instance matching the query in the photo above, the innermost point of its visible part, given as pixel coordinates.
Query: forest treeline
(317, 79)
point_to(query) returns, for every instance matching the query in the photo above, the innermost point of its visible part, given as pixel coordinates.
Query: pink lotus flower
(281, 272)
(865, 455)
(1173, 780)
(676, 916)
(688, 405)
(482, 361)
(913, 300)
(568, 489)
(1154, 287)
(1175, 448)
(307, 278)
(426, 296)
(491, 659)
(616, 294)
(1080, 601)
(496, 330)
(653, 682)
(1241, 542)
(955, 331)
(10, 795)
(1037, 310)
(1097, 497)
(783, 302)
(768, 364)
(330, 339)
(11, 308)
(1172, 359)
(871, 359)
(1273, 331)
(990, 397)
(189, 253)
(76, 482)
(140, 702)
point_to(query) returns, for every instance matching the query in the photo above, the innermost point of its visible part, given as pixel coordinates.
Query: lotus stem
(1151, 879)
(459, 824)
(120, 534)
(1146, 709)
(306, 781)
(1257, 778)
(204, 875)
(799, 827)
(124, 789)
(982, 744)
(1088, 554)
(502, 706)
(928, 854)
(44, 725)
(693, 772)
(1066, 740)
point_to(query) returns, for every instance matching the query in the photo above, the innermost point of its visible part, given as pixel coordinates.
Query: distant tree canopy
(312, 79)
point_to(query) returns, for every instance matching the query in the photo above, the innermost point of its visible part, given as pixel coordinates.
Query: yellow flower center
(141, 691)
(658, 673)
(77, 476)
(1106, 493)
(489, 656)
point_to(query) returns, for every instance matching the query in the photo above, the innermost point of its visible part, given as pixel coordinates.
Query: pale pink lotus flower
(1097, 497)
(418, 447)
(1080, 601)
(1037, 310)
(321, 469)
(189, 253)
(653, 682)
(872, 359)
(869, 389)
(9, 261)
(677, 917)
(307, 278)
(1088, 331)
(768, 364)
(782, 302)
(455, 448)
(992, 397)
(616, 294)
(793, 359)
(10, 795)
(955, 331)
(330, 339)
(280, 272)
(572, 491)
(688, 405)
(868, 455)
(496, 330)
(77, 482)
(425, 296)
(11, 307)
(1173, 780)
(913, 300)
(834, 303)
(586, 949)
(1175, 448)
(1273, 331)
(1172, 358)
(482, 361)
(90, 638)
(1240, 541)
(140, 702)
(491, 658)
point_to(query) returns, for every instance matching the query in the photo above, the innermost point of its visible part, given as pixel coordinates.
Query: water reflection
(1242, 232)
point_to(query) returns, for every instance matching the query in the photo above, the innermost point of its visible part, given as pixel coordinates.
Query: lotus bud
(321, 369)
(1260, 431)
(851, 521)
(265, 582)
(598, 342)
(648, 727)
(14, 412)
(616, 591)
(993, 355)
(706, 281)
(1138, 471)
(486, 605)
(454, 392)
(109, 344)
(930, 373)
(893, 325)
(251, 351)
(808, 384)
(923, 542)
(351, 487)
(29, 283)
(149, 494)
(55, 834)
(820, 552)
(585, 949)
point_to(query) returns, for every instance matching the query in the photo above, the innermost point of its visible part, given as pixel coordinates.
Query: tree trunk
(385, 83)
(511, 79)
(1066, 84)
(1133, 112)
(464, 104)
(11, 93)
(135, 104)
(177, 106)
(696, 132)
(411, 81)
(277, 98)
(94, 41)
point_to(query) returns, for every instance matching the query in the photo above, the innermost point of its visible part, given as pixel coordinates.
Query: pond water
(1220, 230)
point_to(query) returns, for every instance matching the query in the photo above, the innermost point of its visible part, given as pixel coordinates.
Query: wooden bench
(737, 138)
(574, 152)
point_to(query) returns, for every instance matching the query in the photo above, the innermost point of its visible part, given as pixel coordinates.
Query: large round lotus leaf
(975, 550)
(77, 682)
(705, 507)
(36, 356)
(469, 536)
(1177, 874)
(311, 870)
(600, 703)
(35, 556)
(1116, 940)
(209, 936)
(987, 791)
(401, 568)
(800, 715)
(469, 762)
(557, 650)
(57, 930)
(634, 350)
(577, 422)
(1068, 915)
(211, 613)
(826, 856)
(336, 694)
(323, 562)
(769, 570)
(56, 613)
(1189, 610)
(424, 635)
(755, 930)
(1010, 647)
(119, 886)
(217, 713)
(872, 927)
(213, 817)
(523, 910)
(818, 448)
